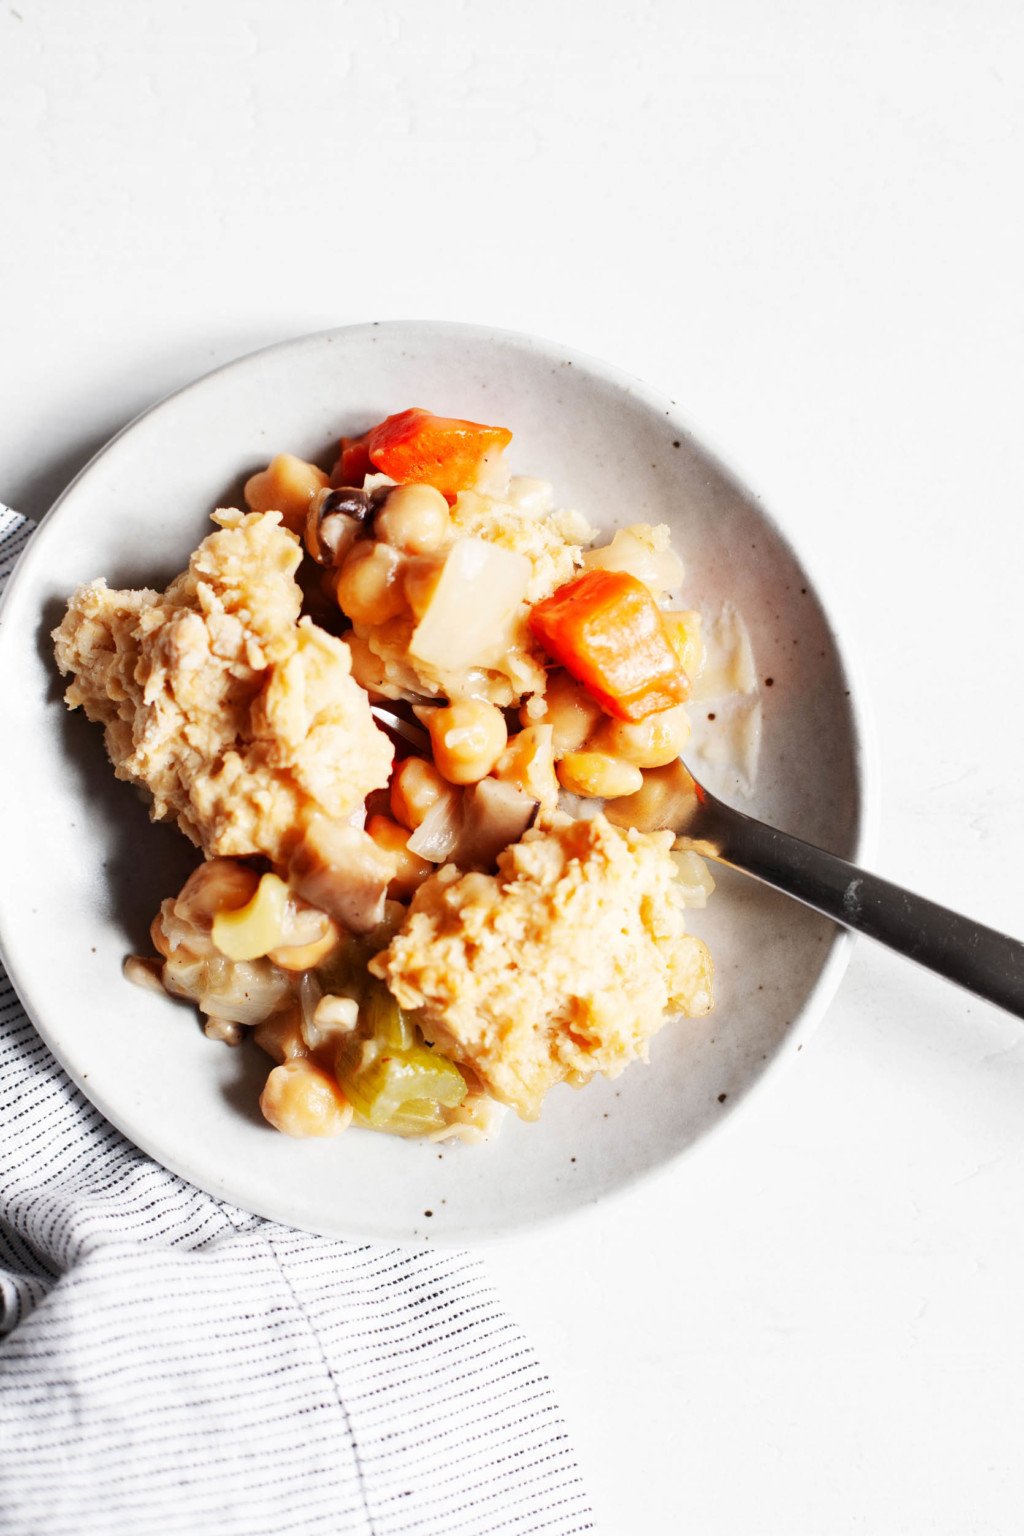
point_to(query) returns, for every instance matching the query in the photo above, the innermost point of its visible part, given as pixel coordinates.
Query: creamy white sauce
(728, 656)
(725, 706)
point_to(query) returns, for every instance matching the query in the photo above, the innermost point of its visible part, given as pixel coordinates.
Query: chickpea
(287, 485)
(369, 589)
(664, 799)
(301, 1100)
(219, 885)
(568, 709)
(416, 785)
(528, 764)
(598, 775)
(186, 920)
(411, 870)
(329, 582)
(650, 743)
(467, 736)
(414, 519)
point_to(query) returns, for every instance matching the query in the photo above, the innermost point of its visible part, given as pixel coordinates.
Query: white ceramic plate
(85, 870)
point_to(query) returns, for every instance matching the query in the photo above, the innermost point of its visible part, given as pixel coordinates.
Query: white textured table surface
(804, 223)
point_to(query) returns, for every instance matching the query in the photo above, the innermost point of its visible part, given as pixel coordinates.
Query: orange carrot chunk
(605, 628)
(353, 462)
(433, 450)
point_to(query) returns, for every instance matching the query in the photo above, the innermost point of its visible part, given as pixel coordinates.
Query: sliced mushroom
(494, 814)
(336, 518)
(341, 870)
(334, 522)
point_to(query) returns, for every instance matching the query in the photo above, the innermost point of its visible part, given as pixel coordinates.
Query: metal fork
(986, 962)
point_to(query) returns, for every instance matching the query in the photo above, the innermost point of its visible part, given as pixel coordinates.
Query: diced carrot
(605, 628)
(353, 462)
(434, 450)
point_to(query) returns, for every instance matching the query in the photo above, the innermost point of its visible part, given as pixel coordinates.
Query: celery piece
(385, 1021)
(353, 1055)
(385, 1085)
(417, 1117)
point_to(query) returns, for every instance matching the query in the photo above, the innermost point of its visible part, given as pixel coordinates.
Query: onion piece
(694, 881)
(438, 832)
(643, 551)
(310, 994)
(478, 1118)
(729, 666)
(466, 622)
(241, 991)
(495, 814)
(341, 870)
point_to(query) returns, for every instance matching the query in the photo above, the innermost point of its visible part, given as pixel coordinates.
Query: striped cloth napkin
(172, 1364)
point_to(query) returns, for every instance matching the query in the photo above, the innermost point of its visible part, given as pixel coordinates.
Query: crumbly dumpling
(552, 540)
(240, 721)
(562, 965)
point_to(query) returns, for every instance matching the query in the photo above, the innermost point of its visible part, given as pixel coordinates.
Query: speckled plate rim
(865, 758)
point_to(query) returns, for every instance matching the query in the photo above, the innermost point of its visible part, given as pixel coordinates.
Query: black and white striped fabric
(172, 1364)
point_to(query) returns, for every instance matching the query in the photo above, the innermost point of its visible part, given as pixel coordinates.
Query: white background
(803, 221)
